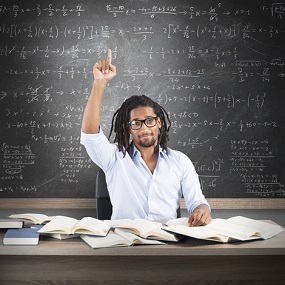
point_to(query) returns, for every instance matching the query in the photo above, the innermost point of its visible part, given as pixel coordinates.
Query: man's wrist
(100, 82)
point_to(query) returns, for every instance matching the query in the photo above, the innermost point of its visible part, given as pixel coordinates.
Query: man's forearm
(103, 71)
(92, 112)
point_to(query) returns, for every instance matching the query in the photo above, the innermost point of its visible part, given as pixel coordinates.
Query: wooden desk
(188, 262)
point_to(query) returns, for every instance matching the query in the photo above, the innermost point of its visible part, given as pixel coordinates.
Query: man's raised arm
(103, 71)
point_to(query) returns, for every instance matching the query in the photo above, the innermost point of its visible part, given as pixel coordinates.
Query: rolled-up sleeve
(99, 149)
(191, 187)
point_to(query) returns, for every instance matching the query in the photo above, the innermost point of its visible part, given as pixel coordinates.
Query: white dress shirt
(134, 191)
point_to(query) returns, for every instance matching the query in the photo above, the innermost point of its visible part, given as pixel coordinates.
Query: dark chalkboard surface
(216, 66)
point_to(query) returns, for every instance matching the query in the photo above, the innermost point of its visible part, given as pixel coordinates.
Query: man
(145, 178)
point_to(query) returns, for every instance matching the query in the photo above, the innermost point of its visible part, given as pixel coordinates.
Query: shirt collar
(135, 151)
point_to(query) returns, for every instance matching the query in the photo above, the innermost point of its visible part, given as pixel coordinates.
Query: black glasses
(137, 124)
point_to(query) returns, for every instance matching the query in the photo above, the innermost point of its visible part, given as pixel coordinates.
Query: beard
(146, 143)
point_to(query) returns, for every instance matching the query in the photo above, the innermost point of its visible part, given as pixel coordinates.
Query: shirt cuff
(91, 139)
(198, 203)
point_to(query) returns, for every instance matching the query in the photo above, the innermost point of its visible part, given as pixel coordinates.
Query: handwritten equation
(74, 52)
(250, 159)
(212, 14)
(16, 158)
(38, 10)
(91, 32)
(62, 72)
(217, 68)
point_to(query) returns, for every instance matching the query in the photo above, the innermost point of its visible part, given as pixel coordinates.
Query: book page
(59, 225)
(178, 221)
(197, 232)
(267, 230)
(161, 234)
(140, 226)
(113, 223)
(232, 230)
(31, 217)
(111, 240)
(237, 228)
(134, 239)
(89, 225)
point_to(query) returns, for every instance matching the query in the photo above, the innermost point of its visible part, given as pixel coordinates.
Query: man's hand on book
(200, 217)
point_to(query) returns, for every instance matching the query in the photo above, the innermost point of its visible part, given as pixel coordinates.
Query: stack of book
(16, 234)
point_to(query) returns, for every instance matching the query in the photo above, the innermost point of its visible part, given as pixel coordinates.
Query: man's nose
(144, 127)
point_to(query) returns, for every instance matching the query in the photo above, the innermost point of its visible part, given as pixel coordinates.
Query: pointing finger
(108, 61)
(109, 58)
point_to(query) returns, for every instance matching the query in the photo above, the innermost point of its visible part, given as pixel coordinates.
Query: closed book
(23, 236)
(10, 224)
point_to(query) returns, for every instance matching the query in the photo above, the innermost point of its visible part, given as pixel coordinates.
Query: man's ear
(159, 123)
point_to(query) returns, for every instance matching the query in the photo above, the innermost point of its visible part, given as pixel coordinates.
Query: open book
(55, 235)
(145, 229)
(32, 218)
(67, 225)
(117, 238)
(226, 230)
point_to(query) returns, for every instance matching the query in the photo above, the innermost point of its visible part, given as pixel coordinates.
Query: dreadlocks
(122, 117)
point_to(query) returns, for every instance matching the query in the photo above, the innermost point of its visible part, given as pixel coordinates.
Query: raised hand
(104, 69)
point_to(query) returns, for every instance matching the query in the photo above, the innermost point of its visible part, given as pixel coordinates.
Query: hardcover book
(10, 224)
(22, 236)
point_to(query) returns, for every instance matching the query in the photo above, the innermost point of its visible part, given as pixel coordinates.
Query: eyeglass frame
(143, 121)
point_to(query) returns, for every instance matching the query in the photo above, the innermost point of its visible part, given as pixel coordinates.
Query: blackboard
(217, 67)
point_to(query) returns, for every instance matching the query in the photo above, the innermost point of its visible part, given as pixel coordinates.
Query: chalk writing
(14, 159)
(74, 52)
(217, 67)
(71, 162)
(38, 10)
(216, 100)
